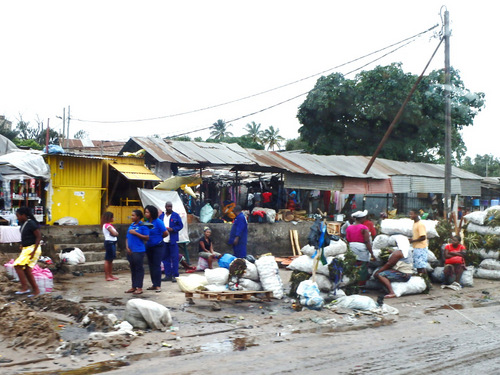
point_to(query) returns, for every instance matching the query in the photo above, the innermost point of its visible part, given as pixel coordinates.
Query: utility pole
(67, 129)
(447, 117)
(47, 136)
(64, 125)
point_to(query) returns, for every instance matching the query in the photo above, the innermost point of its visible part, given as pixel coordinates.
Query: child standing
(110, 238)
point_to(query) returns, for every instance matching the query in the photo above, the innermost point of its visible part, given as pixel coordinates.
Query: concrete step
(94, 267)
(91, 246)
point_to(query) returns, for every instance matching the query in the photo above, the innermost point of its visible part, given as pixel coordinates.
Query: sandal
(137, 291)
(131, 290)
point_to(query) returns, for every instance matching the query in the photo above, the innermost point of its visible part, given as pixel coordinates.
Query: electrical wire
(412, 38)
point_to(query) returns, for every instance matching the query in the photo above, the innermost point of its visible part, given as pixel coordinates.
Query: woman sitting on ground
(454, 261)
(206, 247)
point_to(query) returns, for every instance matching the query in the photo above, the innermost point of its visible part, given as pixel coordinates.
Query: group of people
(157, 238)
(360, 231)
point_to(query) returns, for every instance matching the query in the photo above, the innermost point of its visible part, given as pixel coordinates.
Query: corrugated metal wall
(311, 182)
(74, 171)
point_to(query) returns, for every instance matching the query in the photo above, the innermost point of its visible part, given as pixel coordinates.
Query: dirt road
(443, 332)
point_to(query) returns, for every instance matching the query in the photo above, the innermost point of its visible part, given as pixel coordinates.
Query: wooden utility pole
(47, 137)
(447, 116)
(64, 125)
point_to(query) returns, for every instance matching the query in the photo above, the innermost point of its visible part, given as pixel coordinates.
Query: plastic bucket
(475, 202)
(495, 202)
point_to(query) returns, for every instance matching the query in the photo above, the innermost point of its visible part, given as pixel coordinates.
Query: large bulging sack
(356, 302)
(490, 264)
(144, 314)
(251, 271)
(482, 273)
(476, 217)
(73, 257)
(217, 276)
(191, 282)
(269, 276)
(405, 227)
(335, 248)
(381, 241)
(415, 285)
(482, 229)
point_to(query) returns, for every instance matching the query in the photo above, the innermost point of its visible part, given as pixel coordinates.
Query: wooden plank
(293, 243)
(296, 241)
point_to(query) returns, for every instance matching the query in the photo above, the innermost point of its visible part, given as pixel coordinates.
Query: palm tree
(220, 130)
(272, 138)
(254, 132)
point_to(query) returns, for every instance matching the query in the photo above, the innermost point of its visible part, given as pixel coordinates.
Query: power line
(295, 97)
(262, 92)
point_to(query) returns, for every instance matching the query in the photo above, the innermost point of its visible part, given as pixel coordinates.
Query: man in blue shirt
(239, 233)
(173, 223)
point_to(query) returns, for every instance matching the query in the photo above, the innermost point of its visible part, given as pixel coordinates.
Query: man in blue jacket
(239, 233)
(173, 223)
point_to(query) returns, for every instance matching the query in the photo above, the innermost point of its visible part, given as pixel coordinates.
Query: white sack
(438, 274)
(269, 275)
(467, 278)
(356, 302)
(247, 284)
(216, 288)
(415, 285)
(482, 229)
(308, 250)
(405, 227)
(486, 254)
(381, 241)
(324, 283)
(431, 258)
(302, 263)
(309, 295)
(143, 314)
(335, 248)
(251, 271)
(190, 283)
(476, 217)
(482, 273)
(217, 276)
(490, 264)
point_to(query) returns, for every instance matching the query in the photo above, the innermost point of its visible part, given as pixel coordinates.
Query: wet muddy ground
(247, 337)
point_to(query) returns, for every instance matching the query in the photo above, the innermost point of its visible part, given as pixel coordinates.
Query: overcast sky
(130, 60)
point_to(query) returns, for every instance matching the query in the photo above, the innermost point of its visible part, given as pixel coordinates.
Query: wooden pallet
(229, 295)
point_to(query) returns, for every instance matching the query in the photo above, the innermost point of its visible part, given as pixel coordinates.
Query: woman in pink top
(360, 244)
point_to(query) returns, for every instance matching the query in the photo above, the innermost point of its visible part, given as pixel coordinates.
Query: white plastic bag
(356, 302)
(143, 314)
(73, 257)
(206, 213)
(217, 276)
(309, 295)
(415, 285)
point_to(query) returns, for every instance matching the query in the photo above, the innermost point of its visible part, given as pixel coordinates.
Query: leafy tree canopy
(482, 165)
(350, 116)
(219, 130)
(34, 136)
(81, 134)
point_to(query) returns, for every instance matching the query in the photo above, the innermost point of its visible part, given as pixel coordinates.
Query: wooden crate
(229, 295)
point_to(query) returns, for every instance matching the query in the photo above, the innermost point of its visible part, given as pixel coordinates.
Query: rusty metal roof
(202, 154)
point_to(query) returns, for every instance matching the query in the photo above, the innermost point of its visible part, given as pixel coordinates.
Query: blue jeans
(136, 261)
(155, 256)
(171, 259)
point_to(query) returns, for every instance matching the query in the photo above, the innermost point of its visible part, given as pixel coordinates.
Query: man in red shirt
(267, 197)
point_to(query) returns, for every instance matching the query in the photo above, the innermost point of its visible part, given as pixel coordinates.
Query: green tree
(37, 133)
(350, 116)
(220, 130)
(272, 138)
(81, 134)
(254, 132)
(482, 165)
(295, 144)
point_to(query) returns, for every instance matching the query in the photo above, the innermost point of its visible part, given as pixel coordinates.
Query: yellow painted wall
(122, 213)
(81, 203)
(77, 187)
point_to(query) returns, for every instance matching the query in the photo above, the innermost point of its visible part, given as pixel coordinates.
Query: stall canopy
(135, 172)
(175, 182)
(23, 164)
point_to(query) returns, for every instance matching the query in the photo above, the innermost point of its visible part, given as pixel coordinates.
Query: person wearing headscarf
(360, 244)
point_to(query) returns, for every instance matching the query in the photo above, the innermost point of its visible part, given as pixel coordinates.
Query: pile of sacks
(488, 269)
(483, 230)
(258, 276)
(305, 263)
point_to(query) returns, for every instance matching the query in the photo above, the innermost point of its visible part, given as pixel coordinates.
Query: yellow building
(84, 187)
